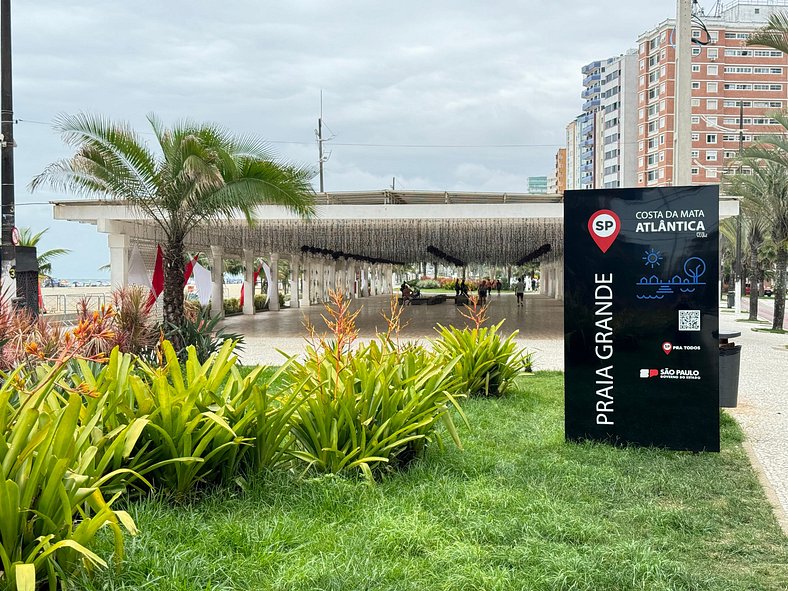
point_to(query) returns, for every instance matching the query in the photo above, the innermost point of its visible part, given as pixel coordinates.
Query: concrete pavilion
(356, 238)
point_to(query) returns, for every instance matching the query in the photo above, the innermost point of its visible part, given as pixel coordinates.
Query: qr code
(689, 320)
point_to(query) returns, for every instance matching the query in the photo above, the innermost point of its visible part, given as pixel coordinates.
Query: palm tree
(765, 198)
(200, 172)
(27, 238)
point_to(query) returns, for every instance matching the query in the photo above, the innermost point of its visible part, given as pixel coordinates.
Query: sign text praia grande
(641, 316)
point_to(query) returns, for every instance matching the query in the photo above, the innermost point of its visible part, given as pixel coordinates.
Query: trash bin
(731, 299)
(730, 362)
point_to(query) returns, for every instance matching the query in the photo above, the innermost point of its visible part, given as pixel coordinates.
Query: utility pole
(682, 119)
(7, 213)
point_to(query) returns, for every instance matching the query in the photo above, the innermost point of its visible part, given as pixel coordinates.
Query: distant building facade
(573, 153)
(559, 175)
(608, 125)
(536, 184)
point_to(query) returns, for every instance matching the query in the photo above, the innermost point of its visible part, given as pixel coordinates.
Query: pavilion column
(377, 280)
(273, 289)
(332, 278)
(559, 292)
(347, 283)
(369, 279)
(295, 268)
(248, 308)
(356, 283)
(217, 281)
(306, 283)
(118, 259)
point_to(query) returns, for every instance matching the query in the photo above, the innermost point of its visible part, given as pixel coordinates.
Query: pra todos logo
(670, 374)
(668, 348)
(604, 225)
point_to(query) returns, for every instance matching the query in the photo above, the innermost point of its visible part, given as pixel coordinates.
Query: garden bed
(517, 509)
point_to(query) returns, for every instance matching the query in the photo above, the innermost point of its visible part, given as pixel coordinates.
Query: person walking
(498, 286)
(519, 290)
(456, 287)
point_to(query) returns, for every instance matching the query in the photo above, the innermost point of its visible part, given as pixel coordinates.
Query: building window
(696, 51)
(662, 105)
(711, 155)
(711, 173)
(711, 87)
(711, 53)
(641, 114)
(711, 121)
(695, 137)
(711, 70)
(695, 120)
(694, 154)
(662, 156)
(661, 122)
(640, 162)
(662, 139)
(695, 102)
(695, 67)
(711, 104)
(711, 138)
(695, 85)
(640, 144)
(694, 170)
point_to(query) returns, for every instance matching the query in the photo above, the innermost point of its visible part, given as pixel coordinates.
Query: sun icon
(652, 258)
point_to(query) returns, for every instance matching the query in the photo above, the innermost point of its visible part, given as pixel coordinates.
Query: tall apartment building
(725, 74)
(608, 141)
(573, 153)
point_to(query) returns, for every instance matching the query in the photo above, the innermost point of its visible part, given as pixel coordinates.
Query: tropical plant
(186, 432)
(27, 238)
(486, 363)
(201, 332)
(200, 173)
(367, 408)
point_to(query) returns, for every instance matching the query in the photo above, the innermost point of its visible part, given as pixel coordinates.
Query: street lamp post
(738, 265)
(7, 213)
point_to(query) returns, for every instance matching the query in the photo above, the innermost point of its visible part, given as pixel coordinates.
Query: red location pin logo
(667, 347)
(604, 226)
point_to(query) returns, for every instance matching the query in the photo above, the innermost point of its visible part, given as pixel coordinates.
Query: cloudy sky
(453, 78)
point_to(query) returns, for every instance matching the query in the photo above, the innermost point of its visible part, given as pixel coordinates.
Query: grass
(518, 509)
(752, 321)
(771, 330)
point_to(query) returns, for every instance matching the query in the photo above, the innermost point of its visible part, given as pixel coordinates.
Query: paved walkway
(763, 395)
(539, 322)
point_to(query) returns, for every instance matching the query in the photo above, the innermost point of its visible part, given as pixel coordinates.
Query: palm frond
(774, 34)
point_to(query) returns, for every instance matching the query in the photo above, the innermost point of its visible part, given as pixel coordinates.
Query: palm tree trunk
(779, 287)
(754, 274)
(173, 281)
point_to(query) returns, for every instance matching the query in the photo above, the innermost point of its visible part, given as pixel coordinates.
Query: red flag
(187, 271)
(158, 278)
(256, 275)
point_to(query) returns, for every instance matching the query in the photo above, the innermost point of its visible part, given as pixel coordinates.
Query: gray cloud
(442, 72)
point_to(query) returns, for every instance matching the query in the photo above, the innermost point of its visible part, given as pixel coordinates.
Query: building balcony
(587, 142)
(590, 91)
(586, 168)
(591, 67)
(591, 78)
(587, 128)
(592, 104)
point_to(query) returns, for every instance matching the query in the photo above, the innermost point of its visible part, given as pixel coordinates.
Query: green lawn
(518, 509)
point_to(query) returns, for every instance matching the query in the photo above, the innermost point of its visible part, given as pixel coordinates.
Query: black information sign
(641, 316)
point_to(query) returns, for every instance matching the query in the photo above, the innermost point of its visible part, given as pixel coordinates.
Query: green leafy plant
(263, 415)
(188, 434)
(232, 306)
(366, 408)
(200, 332)
(486, 362)
(50, 509)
